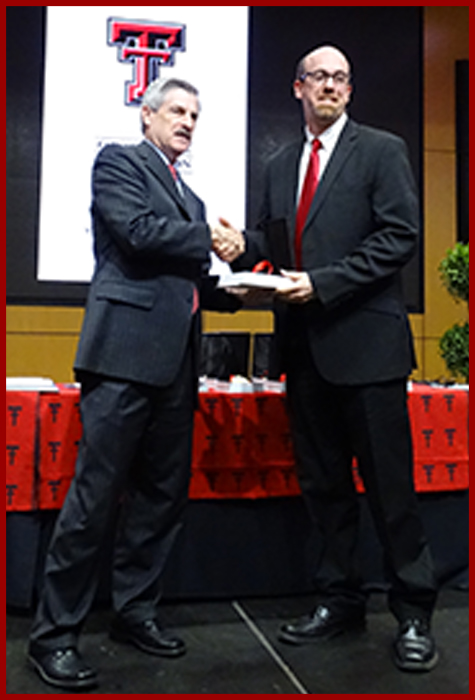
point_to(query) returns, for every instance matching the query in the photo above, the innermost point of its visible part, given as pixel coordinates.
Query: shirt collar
(329, 137)
(162, 155)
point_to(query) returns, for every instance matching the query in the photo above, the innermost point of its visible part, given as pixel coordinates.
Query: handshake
(227, 242)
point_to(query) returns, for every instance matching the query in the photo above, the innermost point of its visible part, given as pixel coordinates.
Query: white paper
(259, 280)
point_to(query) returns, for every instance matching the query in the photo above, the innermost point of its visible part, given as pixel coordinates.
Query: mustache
(183, 132)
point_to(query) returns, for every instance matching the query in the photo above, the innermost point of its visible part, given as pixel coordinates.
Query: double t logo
(147, 45)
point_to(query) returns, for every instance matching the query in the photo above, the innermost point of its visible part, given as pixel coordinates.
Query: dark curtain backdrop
(462, 99)
(384, 45)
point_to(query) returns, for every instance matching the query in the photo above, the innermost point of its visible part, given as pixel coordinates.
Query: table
(247, 532)
(242, 446)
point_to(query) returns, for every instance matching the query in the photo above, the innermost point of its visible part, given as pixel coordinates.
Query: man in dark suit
(347, 350)
(137, 362)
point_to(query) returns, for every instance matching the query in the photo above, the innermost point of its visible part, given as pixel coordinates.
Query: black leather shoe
(63, 668)
(147, 636)
(322, 624)
(414, 647)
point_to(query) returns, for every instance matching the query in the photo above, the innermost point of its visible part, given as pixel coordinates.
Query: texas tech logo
(147, 45)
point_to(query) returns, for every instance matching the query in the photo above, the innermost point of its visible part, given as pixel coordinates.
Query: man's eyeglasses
(321, 76)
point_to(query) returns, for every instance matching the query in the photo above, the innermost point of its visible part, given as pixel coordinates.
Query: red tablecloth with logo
(242, 445)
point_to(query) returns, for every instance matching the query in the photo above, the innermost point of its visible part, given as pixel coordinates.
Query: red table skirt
(242, 445)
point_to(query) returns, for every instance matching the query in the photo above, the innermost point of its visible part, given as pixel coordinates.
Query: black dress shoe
(63, 668)
(147, 636)
(322, 624)
(414, 647)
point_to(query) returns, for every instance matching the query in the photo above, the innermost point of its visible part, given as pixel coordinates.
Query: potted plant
(453, 345)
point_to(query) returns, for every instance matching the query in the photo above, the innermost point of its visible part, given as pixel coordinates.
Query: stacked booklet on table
(30, 384)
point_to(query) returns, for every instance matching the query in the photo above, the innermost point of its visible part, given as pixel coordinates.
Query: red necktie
(306, 196)
(173, 172)
(196, 297)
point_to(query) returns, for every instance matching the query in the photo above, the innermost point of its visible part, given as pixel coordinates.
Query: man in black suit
(137, 362)
(347, 350)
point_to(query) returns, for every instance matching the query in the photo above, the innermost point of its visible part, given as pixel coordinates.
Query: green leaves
(453, 271)
(454, 344)
(454, 350)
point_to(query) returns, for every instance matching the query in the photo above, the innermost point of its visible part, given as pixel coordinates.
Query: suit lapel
(343, 148)
(292, 166)
(289, 178)
(158, 166)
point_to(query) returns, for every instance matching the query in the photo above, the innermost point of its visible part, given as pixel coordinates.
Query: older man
(137, 362)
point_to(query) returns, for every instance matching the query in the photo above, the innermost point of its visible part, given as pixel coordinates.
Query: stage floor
(232, 648)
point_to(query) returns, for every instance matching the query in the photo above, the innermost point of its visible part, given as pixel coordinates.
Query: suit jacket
(362, 228)
(152, 249)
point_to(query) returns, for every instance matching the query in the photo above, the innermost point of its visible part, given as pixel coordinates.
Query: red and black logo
(147, 45)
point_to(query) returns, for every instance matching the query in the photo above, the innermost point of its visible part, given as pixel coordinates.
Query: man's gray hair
(155, 94)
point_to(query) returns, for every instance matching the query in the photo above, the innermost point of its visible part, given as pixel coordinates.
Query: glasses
(321, 76)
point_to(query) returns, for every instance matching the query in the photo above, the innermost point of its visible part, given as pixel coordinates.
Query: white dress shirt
(328, 139)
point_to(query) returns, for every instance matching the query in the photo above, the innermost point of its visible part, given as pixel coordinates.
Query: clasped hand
(227, 242)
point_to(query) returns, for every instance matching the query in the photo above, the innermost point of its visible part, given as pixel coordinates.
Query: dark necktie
(306, 196)
(196, 297)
